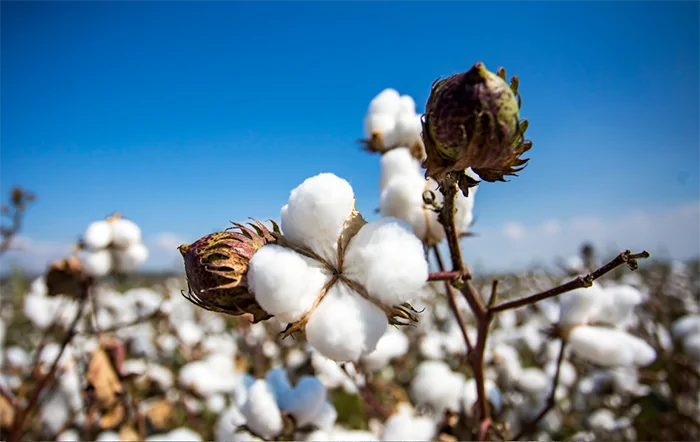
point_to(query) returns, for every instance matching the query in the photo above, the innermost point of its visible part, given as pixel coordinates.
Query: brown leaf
(113, 418)
(160, 414)
(103, 378)
(128, 434)
(7, 412)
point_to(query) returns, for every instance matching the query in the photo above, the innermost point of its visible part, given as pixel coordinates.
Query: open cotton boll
(402, 198)
(404, 427)
(610, 347)
(125, 232)
(464, 207)
(534, 382)
(345, 326)
(407, 105)
(437, 386)
(285, 283)
(97, 263)
(687, 325)
(567, 372)
(98, 235)
(408, 129)
(617, 304)
(214, 374)
(132, 258)
(305, 401)
(580, 305)
(387, 101)
(388, 260)
(393, 344)
(330, 374)
(261, 411)
(227, 424)
(316, 213)
(384, 125)
(691, 346)
(398, 162)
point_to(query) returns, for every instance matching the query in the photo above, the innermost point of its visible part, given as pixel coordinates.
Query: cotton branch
(626, 257)
(19, 201)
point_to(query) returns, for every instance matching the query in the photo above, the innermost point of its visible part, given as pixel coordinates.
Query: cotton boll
(189, 333)
(98, 235)
(402, 198)
(404, 427)
(345, 326)
(464, 207)
(567, 372)
(470, 395)
(392, 344)
(227, 424)
(691, 346)
(69, 436)
(601, 420)
(687, 325)
(431, 346)
(125, 232)
(112, 436)
(316, 213)
(435, 385)
(325, 418)
(580, 305)
(617, 304)
(388, 101)
(216, 403)
(285, 283)
(132, 258)
(261, 412)
(330, 374)
(388, 260)
(408, 129)
(305, 401)
(407, 105)
(610, 347)
(97, 263)
(398, 162)
(534, 382)
(383, 125)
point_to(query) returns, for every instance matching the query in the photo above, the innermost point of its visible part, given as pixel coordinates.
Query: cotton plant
(686, 330)
(404, 190)
(112, 245)
(407, 425)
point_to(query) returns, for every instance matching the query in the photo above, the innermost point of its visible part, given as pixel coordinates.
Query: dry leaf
(160, 414)
(113, 418)
(103, 378)
(7, 412)
(128, 434)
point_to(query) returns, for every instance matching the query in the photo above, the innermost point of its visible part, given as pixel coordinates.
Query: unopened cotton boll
(98, 235)
(132, 258)
(125, 232)
(97, 263)
(610, 347)
(316, 213)
(345, 326)
(261, 411)
(388, 260)
(285, 283)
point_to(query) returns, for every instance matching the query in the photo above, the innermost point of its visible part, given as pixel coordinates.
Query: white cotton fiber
(398, 162)
(316, 213)
(261, 412)
(345, 326)
(393, 344)
(285, 283)
(125, 232)
(437, 386)
(326, 417)
(408, 129)
(464, 206)
(97, 263)
(388, 260)
(534, 382)
(685, 326)
(405, 427)
(305, 401)
(580, 305)
(132, 258)
(384, 125)
(470, 395)
(610, 346)
(617, 304)
(387, 101)
(98, 235)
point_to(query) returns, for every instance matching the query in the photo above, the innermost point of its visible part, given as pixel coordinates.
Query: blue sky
(185, 115)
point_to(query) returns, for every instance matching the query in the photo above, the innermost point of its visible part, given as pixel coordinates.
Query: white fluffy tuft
(98, 235)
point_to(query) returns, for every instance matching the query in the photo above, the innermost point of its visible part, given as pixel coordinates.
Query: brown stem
(625, 257)
(449, 190)
(23, 412)
(443, 276)
(452, 297)
(551, 399)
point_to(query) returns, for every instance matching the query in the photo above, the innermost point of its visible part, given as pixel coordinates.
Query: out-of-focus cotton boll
(261, 411)
(437, 386)
(580, 305)
(691, 346)
(285, 283)
(384, 125)
(125, 232)
(305, 401)
(98, 235)
(388, 101)
(408, 129)
(610, 347)
(534, 381)
(685, 326)
(464, 207)
(69, 436)
(388, 260)
(111, 436)
(470, 395)
(178, 434)
(326, 417)
(345, 326)
(601, 420)
(507, 361)
(407, 105)
(316, 213)
(398, 162)
(227, 424)
(216, 403)
(431, 346)
(330, 374)
(132, 258)
(402, 198)
(617, 304)
(405, 427)
(214, 374)
(567, 372)
(97, 263)
(393, 344)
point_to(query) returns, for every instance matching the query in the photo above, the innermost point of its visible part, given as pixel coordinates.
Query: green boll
(472, 120)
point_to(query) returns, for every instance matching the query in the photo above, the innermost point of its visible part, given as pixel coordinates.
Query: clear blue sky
(185, 115)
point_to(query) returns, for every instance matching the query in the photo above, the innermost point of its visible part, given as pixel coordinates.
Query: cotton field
(323, 325)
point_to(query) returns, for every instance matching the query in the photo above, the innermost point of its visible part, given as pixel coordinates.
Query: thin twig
(443, 276)
(452, 298)
(23, 412)
(367, 395)
(625, 257)
(551, 399)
